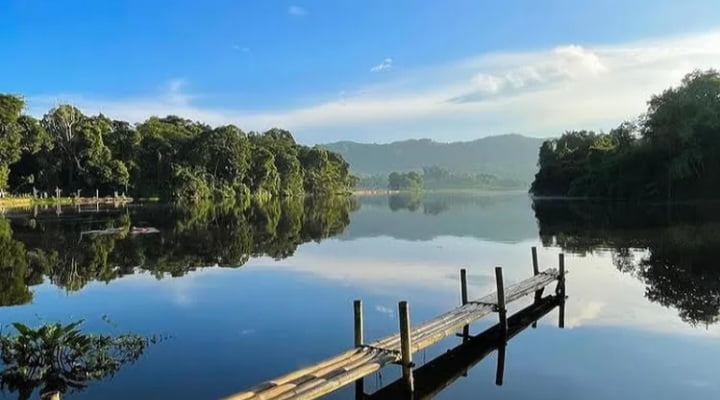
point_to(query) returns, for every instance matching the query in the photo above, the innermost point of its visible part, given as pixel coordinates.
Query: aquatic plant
(56, 357)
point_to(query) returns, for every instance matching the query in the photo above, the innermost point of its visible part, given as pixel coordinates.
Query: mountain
(509, 156)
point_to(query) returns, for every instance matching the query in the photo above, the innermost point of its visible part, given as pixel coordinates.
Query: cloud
(541, 92)
(385, 65)
(297, 11)
(243, 49)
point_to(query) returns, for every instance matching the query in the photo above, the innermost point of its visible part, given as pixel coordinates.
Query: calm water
(248, 295)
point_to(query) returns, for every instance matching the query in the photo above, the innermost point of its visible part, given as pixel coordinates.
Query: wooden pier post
(357, 308)
(464, 299)
(358, 325)
(561, 290)
(406, 345)
(536, 271)
(502, 312)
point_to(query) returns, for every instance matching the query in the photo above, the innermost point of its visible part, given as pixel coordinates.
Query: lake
(242, 296)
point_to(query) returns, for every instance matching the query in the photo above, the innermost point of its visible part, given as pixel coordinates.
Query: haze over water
(640, 320)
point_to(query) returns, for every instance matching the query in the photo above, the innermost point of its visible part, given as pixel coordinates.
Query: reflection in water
(57, 358)
(436, 375)
(673, 250)
(104, 245)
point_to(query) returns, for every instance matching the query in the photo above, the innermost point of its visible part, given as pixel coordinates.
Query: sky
(368, 71)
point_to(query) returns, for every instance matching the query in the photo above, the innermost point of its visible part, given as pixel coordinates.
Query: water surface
(246, 295)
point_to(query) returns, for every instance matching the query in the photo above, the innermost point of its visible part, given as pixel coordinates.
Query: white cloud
(385, 65)
(242, 49)
(297, 11)
(539, 93)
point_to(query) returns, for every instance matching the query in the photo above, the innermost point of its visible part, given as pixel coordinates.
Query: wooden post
(357, 306)
(536, 268)
(561, 317)
(500, 371)
(560, 290)
(502, 312)
(464, 299)
(463, 286)
(406, 345)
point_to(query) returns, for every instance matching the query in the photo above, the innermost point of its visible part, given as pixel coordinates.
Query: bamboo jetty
(367, 358)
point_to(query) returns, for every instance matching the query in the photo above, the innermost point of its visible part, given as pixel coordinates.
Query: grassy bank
(27, 201)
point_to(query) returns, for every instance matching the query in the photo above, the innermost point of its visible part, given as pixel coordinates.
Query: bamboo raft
(365, 359)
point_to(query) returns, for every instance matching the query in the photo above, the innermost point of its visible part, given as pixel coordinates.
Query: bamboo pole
(406, 345)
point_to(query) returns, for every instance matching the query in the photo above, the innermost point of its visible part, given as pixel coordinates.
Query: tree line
(171, 158)
(671, 152)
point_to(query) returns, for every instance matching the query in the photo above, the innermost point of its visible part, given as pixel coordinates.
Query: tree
(10, 134)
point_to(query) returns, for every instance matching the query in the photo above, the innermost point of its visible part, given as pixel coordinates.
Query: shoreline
(18, 202)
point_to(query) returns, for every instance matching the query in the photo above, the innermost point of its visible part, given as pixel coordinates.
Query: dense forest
(170, 158)
(437, 178)
(671, 152)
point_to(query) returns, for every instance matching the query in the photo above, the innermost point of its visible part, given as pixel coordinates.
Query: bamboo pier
(367, 358)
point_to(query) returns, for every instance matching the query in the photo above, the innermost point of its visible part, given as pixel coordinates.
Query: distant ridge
(511, 156)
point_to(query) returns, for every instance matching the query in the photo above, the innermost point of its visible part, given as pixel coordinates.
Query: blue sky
(358, 70)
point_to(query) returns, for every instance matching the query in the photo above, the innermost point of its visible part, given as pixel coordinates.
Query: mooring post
(561, 290)
(463, 286)
(502, 312)
(406, 345)
(464, 299)
(357, 308)
(536, 268)
(358, 339)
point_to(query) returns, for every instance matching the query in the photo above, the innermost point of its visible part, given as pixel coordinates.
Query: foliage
(411, 181)
(57, 357)
(673, 152)
(170, 157)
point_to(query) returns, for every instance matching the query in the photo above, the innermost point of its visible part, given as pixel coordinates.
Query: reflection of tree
(58, 358)
(13, 269)
(204, 235)
(411, 201)
(682, 243)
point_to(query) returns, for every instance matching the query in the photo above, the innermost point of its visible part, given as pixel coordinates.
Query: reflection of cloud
(385, 310)
(247, 332)
(599, 294)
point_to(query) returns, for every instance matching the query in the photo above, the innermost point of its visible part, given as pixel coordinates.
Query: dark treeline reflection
(680, 244)
(86, 245)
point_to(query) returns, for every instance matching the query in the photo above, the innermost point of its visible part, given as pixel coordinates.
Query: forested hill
(509, 156)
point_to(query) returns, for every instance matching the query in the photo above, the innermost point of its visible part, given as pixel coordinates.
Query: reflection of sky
(232, 328)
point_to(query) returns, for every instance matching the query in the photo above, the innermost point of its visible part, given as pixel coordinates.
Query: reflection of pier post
(500, 370)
